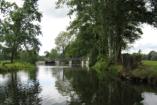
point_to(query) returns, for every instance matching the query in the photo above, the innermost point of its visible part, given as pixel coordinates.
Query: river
(49, 85)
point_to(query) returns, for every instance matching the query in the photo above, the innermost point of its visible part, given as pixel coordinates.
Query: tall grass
(6, 66)
(147, 70)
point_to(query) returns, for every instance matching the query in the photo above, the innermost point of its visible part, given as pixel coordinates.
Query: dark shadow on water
(75, 86)
(87, 89)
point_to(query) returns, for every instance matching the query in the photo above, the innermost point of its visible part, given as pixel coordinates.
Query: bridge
(70, 62)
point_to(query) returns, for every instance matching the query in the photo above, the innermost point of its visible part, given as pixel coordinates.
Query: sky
(148, 41)
(56, 20)
(53, 22)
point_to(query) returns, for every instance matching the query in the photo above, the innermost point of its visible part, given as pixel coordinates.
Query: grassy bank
(147, 70)
(7, 66)
(146, 73)
(152, 64)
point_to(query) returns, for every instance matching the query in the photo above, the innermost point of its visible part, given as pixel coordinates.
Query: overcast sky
(56, 20)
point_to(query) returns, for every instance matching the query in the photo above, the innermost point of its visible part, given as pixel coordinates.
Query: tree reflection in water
(17, 92)
(84, 88)
(70, 87)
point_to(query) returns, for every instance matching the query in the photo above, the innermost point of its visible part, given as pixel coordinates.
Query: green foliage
(107, 26)
(152, 55)
(4, 53)
(28, 56)
(20, 28)
(93, 55)
(5, 7)
(7, 66)
(52, 55)
(61, 41)
(145, 73)
(116, 69)
(72, 50)
(100, 66)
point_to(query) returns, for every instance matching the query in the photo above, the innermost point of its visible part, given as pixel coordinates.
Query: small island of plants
(9, 67)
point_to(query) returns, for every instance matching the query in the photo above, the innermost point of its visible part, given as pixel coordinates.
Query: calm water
(51, 86)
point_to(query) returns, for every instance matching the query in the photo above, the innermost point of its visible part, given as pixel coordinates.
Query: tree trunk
(119, 57)
(13, 52)
(12, 57)
(119, 46)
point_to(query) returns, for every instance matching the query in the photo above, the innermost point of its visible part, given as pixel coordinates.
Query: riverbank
(8, 67)
(145, 73)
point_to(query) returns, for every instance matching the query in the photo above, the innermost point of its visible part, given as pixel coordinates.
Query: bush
(103, 67)
(100, 65)
(115, 69)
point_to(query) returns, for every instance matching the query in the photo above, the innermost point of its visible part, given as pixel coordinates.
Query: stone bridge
(66, 62)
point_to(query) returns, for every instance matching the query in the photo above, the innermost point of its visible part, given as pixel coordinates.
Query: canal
(74, 86)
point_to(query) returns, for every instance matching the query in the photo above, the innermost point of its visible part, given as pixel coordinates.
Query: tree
(30, 56)
(152, 55)
(111, 24)
(5, 8)
(46, 54)
(61, 41)
(20, 28)
(53, 54)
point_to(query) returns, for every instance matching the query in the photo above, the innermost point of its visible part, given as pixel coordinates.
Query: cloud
(53, 22)
(48, 8)
(148, 42)
(56, 20)
(18, 2)
(50, 28)
(145, 48)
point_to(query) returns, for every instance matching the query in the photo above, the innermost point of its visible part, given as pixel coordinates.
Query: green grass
(152, 64)
(6, 66)
(146, 71)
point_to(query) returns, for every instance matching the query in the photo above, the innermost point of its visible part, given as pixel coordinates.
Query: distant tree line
(53, 54)
(152, 55)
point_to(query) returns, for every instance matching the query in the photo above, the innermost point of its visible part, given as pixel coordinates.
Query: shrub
(100, 65)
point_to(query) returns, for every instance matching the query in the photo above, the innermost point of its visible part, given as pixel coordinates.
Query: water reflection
(149, 98)
(17, 89)
(49, 93)
(89, 90)
(58, 86)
